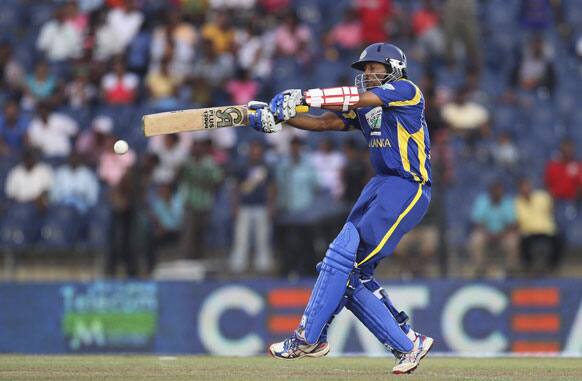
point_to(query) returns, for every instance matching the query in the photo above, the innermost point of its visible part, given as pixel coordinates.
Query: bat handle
(302, 108)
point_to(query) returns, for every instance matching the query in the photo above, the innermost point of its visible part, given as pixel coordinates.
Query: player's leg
(329, 291)
(376, 316)
(399, 207)
(327, 294)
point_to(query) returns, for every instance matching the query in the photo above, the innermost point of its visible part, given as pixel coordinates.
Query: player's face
(374, 75)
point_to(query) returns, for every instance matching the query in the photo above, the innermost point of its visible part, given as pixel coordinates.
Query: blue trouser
(387, 208)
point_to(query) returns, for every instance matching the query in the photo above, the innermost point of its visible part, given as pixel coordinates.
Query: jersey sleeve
(350, 119)
(398, 94)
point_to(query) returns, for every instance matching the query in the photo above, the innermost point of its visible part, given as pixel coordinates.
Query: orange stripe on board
(535, 346)
(283, 323)
(535, 297)
(536, 323)
(289, 297)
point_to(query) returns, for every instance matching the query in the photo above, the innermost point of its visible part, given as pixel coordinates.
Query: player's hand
(261, 118)
(283, 104)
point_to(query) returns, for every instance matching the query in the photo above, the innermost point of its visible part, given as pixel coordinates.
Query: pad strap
(344, 96)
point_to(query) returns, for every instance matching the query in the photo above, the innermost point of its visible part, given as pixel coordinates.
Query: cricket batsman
(388, 109)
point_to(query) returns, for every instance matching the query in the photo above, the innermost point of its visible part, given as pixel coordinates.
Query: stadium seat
(19, 227)
(61, 228)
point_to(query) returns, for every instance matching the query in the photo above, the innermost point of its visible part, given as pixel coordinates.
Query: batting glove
(261, 119)
(283, 104)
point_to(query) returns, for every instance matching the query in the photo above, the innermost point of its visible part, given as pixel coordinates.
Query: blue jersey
(396, 132)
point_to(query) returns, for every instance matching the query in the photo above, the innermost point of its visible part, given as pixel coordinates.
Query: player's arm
(367, 99)
(345, 98)
(328, 121)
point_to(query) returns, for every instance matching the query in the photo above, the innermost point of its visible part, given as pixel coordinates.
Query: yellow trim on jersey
(393, 227)
(403, 137)
(411, 102)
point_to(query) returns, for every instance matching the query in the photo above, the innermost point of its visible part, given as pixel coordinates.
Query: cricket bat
(197, 119)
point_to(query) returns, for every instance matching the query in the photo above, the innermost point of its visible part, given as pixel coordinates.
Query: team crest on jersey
(374, 119)
(388, 86)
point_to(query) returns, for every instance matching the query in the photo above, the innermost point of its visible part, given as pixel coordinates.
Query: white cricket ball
(120, 147)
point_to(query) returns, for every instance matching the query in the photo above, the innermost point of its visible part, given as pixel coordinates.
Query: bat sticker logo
(228, 117)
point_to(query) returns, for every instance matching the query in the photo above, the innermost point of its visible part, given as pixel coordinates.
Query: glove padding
(283, 104)
(261, 118)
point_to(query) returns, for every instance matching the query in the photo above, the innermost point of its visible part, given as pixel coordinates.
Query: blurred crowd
(500, 107)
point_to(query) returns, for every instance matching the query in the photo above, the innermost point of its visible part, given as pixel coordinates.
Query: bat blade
(194, 120)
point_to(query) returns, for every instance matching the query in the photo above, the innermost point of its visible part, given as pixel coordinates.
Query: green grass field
(267, 369)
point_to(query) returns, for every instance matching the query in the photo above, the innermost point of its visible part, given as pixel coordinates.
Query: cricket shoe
(295, 347)
(408, 362)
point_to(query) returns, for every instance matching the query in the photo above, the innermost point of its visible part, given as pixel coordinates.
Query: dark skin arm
(328, 121)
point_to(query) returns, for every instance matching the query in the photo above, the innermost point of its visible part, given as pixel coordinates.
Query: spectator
(11, 71)
(166, 211)
(119, 87)
(59, 39)
(461, 25)
(493, 218)
(274, 6)
(122, 224)
(292, 38)
(347, 35)
(505, 153)
(92, 142)
(356, 173)
(255, 50)
(213, 67)
(102, 38)
(75, 185)
(232, 4)
(427, 31)
(417, 249)
(466, 117)
(30, 181)
(434, 99)
(176, 41)
(13, 127)
(534, 69)
(253, 206)
(537, 228)
(243, 88)
(563, 174)
(125, 22)
(39, 86)
(374, 15)
(220, 33)
(329, 163)
(162, 84)
(172, 151)
(112, 168)
(80, 91)
(138, 51)
(75, 16)
(127, 198)
(536, 15)
(297, 185)
(52, 132)
(199, 180)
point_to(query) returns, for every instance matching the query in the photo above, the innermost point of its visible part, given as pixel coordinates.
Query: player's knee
(342, 251)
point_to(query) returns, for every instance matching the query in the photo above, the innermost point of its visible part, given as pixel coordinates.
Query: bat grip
(302, 108)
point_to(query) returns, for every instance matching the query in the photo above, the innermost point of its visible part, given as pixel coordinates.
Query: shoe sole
(317, 354)
(429, 344)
